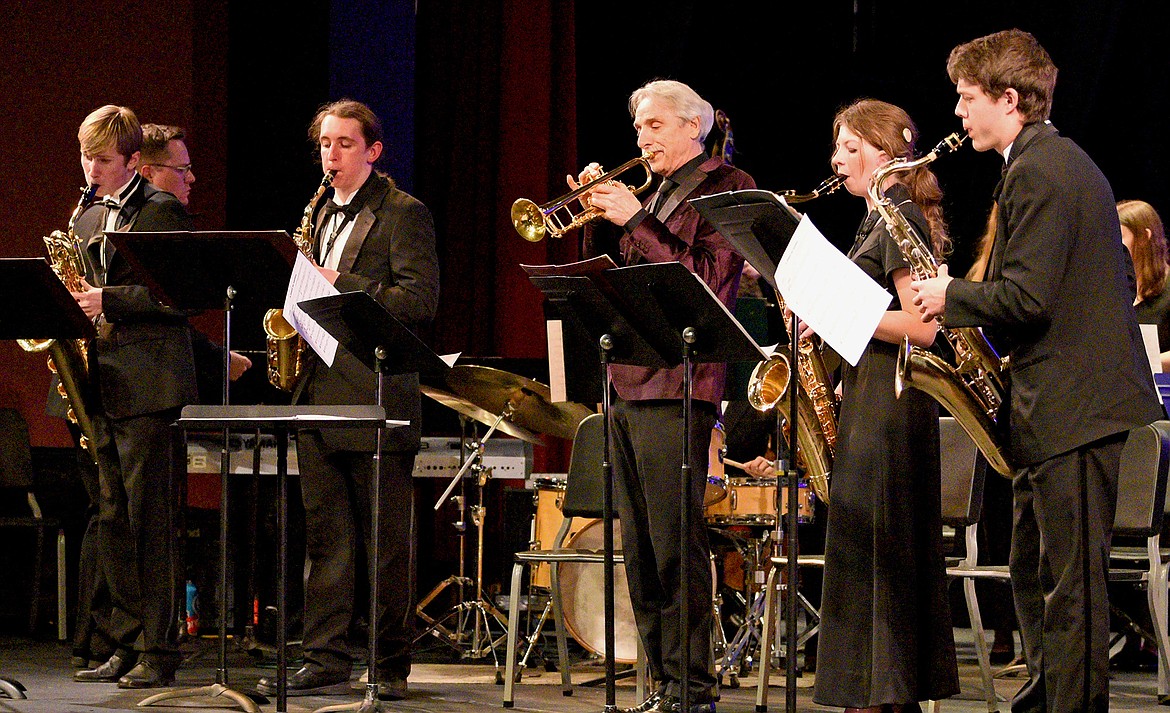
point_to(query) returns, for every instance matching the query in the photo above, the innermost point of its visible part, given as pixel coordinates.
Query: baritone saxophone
(285, 347)
(68, 358)
(972, 389)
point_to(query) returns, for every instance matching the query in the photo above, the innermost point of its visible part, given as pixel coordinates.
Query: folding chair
(584, 497)
(16, 477)
(1141, 507)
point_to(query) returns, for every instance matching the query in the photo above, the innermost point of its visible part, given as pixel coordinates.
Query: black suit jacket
(1058, 299)
(391, 255)
(144, 360)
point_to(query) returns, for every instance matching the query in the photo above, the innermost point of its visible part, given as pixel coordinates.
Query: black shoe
(108, 672)
(649, 704)
(307, 682)
(391, 689)
(147, 674)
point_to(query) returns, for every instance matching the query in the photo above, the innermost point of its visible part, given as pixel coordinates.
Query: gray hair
(687, 103)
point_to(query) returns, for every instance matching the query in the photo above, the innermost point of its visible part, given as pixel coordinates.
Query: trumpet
(556, 217)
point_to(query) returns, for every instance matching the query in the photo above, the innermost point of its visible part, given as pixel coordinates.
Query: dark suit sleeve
(411, 293)
(1035, 257)
(124, 303)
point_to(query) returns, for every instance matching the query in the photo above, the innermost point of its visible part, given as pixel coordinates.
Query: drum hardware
(518, 407)
(471, 618)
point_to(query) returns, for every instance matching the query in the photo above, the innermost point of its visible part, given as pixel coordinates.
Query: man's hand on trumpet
(616, 202)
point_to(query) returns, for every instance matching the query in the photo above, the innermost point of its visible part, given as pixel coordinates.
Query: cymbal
(532, 406)
(472, 411)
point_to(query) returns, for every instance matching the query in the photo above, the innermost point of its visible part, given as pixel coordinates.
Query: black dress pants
(647, 441)
(335, 486)
(138, 538)
(1064, 509)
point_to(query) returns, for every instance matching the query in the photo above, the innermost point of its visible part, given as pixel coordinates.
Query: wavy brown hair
(1009, 59)
(1149, 246)
(886, 127)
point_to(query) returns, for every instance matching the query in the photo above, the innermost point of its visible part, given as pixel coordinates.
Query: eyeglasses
(183, 170)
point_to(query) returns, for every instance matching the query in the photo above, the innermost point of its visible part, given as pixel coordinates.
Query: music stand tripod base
(214, 690)
(12, 688)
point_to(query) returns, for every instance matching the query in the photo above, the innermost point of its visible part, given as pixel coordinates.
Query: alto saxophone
(285, 346)
(68, 359)
(816, 400)
(974, 388)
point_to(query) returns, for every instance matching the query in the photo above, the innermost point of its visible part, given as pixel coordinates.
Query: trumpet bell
(528, 220)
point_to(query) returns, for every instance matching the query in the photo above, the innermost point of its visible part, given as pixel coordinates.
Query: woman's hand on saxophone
(806, 332)
(931, 297)
(90, 299)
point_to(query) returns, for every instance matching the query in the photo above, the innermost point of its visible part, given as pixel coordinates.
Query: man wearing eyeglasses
(165, 161)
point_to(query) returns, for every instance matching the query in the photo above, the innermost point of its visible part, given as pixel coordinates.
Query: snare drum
(752, 501)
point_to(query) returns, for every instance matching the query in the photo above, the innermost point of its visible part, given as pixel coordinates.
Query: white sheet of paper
(826, 290)
(1150, 339)
(307, 283)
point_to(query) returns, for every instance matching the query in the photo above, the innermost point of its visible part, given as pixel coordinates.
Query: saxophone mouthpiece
(951, 142)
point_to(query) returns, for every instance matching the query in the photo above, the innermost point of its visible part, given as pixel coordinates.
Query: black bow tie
(332, 208)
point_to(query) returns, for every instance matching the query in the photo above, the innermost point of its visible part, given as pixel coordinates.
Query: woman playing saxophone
(885, 629)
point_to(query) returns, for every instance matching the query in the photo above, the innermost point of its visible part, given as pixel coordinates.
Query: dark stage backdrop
(485, 102)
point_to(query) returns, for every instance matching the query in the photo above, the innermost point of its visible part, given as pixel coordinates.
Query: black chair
(962, 506)
(1141, 509)
(22, 511)
(584, 498)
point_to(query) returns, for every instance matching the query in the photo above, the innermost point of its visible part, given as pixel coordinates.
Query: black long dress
(886, 627)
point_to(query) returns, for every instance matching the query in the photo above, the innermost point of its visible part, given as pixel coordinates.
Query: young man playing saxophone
(373, 237)
(145, 370)
(1058, 300)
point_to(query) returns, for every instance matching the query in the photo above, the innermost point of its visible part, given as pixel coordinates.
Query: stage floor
(43, 669)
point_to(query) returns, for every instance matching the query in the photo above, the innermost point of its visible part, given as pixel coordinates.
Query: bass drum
(583, 598)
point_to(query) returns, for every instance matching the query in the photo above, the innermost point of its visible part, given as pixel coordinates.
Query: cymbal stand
(478, 612)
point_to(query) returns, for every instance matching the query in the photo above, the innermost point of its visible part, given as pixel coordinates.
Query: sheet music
(307, 283)
(825, 289)
(1150, 339)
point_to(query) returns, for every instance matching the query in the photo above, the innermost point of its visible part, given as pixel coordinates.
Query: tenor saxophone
(284, 346)
(816, 400)
(973, 389)
(68, 358)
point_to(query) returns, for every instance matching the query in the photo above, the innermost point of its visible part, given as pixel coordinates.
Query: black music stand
(368, 331)
(36, 306)
(759, 224)
(658, 315)
(280, 420)
(213, 270)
